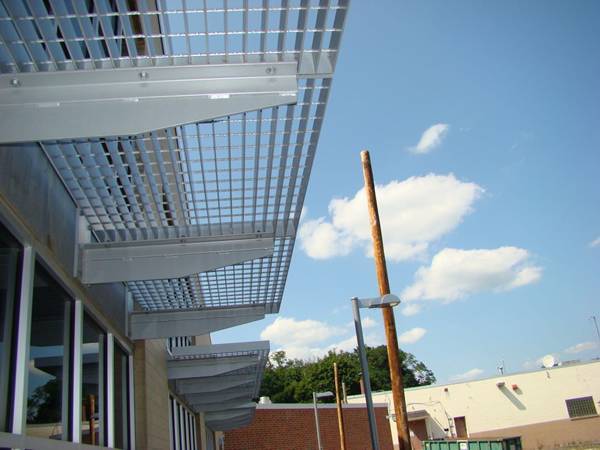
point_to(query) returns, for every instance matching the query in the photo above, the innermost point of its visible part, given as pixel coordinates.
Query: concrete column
(202, 432)
(151, 395)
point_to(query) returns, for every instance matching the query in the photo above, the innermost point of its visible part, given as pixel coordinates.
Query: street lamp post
(378, 302)
(317, 396)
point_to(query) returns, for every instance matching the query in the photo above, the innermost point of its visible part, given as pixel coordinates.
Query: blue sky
(504, 207)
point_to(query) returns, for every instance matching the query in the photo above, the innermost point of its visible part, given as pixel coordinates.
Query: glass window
(92, 389)
(48, 383)
(10, 262)
(581, 407)
(121, 392)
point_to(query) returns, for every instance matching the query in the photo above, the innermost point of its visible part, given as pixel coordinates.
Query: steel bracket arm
(194, 322)
(170, 258)
(38, 106)
(208, 368)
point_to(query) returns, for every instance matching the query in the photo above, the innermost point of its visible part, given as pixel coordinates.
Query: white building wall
(539, 397)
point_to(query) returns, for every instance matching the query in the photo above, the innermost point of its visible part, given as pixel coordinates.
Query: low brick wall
(292, 427)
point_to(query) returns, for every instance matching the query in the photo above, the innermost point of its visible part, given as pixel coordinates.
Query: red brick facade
(292, 427)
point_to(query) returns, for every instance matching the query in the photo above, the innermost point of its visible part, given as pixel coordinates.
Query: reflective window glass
(10, 262)
(92, 388)
(48, 381)
(121, 390)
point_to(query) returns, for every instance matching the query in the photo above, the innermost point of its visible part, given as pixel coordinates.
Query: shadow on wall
(512, 397)
(436, 429)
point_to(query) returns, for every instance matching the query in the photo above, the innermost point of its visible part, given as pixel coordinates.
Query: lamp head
(379, 302)
(326, 394)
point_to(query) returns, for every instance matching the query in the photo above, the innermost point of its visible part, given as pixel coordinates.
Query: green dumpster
(512, 443)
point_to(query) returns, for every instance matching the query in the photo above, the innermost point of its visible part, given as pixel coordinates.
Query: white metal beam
(214, 384)
(234, 404)
(198, 368)
(169, 258)
(110, 389)
(19, 403)
(229, 414)
(226, 425)
(195, 322)
(219, 349)
(246, 392)
(39, 106)
(77, 371)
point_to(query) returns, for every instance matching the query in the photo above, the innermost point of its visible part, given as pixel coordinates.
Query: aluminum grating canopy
(243, 173)
(219, 378)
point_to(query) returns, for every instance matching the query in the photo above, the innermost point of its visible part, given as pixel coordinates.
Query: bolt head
(15, 82)
(144, 75)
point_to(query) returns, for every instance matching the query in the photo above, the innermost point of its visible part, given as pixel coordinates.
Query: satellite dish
(548, 361)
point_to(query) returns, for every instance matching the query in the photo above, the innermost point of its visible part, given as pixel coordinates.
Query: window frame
(10, 340)
(182, 426)
(20, 343)
(572, 408)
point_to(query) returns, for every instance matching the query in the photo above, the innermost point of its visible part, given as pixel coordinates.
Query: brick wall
(292, 427)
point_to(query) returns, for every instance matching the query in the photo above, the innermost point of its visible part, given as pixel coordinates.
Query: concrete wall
(292, 427)
(554, 434)
(36, 207)
(536, 402)
(151, 395)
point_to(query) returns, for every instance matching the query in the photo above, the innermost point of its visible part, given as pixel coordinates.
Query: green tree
(294, 380)
(44, 404)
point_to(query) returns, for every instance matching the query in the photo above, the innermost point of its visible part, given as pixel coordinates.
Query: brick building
(292, 427)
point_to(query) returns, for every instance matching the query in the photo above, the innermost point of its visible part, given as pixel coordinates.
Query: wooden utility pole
(92, 419)
(339, 408)
(388, 314)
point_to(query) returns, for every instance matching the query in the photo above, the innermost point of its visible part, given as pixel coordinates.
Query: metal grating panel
(581, 407)
(246, 172)
(216, 352)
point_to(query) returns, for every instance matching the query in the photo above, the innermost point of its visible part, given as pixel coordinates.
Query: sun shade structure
(185, 131)
(220, 380)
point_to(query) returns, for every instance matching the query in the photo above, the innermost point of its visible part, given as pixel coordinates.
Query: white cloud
(581, 347)
(307, 339)
(289, 331)
(468, 375)
(456, 273)
(303, 212)
(411, 336)
(367, 322)
(321, 240)
(431, 138)
(595, 242)
(413, 213)
(411, 309)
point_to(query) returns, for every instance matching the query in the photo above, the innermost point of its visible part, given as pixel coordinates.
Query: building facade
(292, 426)
(549, 408)
(154, 158)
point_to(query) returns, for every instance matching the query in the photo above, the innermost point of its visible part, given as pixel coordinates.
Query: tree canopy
(294, 380)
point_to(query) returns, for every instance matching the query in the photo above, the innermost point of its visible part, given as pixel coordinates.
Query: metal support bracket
(198, 368)
(213, 385)
(37, 106)
(237, 403)
(245, 392)
(164, 324)
(171, 258)
(230, 414)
